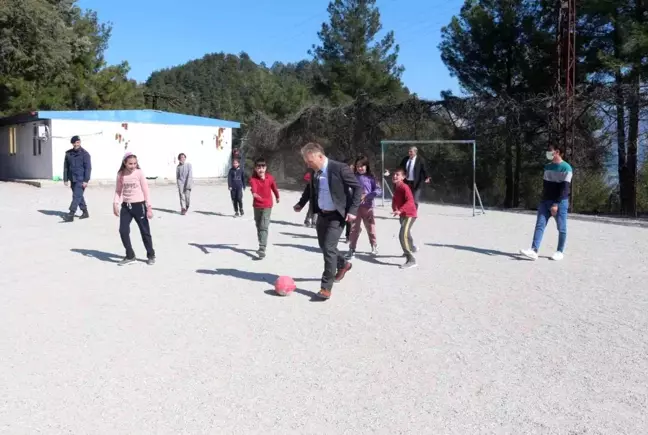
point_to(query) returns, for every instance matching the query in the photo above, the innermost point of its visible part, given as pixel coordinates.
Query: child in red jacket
(404, 207)
(262, 186)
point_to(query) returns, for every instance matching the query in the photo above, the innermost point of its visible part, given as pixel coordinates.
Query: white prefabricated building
(33, 145)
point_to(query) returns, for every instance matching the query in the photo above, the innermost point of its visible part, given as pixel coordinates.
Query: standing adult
(415, 173)
(77, 167)
(335, 195)
(184, 178)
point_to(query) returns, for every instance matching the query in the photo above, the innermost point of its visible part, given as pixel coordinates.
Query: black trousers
(347, 229)
(415, 191)
(78, 201)
(329, 229)
(237, 199)
(137, 211)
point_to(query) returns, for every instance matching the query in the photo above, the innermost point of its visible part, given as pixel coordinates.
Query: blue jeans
(544, 213)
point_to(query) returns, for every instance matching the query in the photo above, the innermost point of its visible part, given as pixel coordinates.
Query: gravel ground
(473, 341)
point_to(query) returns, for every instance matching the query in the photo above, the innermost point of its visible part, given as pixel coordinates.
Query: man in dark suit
(415, 173)
(328, 191)
(77, 168)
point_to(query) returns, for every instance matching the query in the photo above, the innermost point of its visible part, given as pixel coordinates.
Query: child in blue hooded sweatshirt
(236, 181)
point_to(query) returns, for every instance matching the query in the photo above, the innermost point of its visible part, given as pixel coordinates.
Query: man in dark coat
(335, 195)
(77, 167)
(415, 173)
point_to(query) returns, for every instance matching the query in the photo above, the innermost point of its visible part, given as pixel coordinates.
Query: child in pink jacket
(132, 201)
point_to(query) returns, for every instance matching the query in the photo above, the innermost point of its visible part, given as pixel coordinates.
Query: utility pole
(566, 77)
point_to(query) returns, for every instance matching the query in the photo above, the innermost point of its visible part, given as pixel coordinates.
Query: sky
(156, 34)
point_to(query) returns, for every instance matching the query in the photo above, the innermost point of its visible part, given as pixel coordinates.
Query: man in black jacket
(328, 191)
(415, 173)
(76, 171)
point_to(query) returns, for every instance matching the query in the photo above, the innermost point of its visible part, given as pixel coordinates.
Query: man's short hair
(312, 148)
(413, 148)
(400, 171)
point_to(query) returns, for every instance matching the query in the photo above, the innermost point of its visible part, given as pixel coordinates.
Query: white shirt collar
(325, 166)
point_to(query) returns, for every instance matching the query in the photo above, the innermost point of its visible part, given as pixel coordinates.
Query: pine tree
(352, 62)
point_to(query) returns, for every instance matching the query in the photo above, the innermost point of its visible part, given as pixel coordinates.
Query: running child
(184, 178)
(132, 201)
(370, 190)
(311, 218)
(236, 181)
(262, 186)
(404, 207)
(555, 202)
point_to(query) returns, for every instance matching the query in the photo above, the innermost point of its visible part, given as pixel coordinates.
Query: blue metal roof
(143, 116)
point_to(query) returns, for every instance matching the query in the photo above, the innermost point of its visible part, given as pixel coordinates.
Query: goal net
(450, 164)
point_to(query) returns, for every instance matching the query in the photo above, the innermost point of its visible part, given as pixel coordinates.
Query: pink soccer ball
(284, 286)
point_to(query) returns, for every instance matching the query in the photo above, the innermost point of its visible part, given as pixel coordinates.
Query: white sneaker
(374, 250)
(557, 256)
(529, 253)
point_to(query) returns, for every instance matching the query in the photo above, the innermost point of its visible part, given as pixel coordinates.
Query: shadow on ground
(265, 278)
(301, 247)
(166, 210)
(213, 213)
(205, 248)
(376, 259)
(489, 252)
(55, 213)
(108, 257)
(290, 224)
(298, 236)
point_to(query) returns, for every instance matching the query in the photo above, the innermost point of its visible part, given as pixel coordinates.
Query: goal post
(384, 144)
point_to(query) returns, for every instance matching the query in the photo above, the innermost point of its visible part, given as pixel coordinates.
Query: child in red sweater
(262, 186)
(403, 206)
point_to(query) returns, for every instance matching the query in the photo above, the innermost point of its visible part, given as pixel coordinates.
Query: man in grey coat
(184, 178)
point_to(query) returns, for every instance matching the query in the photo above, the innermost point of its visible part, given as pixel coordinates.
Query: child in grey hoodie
(184, 178)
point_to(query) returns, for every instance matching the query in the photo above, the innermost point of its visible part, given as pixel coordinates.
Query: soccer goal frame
(475, 192)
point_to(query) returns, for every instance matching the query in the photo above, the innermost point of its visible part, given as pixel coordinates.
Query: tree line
(348, 92)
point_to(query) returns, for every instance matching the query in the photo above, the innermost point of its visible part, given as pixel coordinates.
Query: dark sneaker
(242, 214)
(183, 211)
(409, 264)
(127, 261)
(261, 253)
(69, 217)
(84, 215)
(349, 255)
(150, 261)
(236, 214)
(342, 272)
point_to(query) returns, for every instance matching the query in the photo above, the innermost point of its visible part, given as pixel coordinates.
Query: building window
(37, 142)
(13, 146)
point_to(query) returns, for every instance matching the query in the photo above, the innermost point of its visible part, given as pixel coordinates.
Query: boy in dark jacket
(76, 173)
(236, 181)
(311, 217)
(404, 207)
(262, 186)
